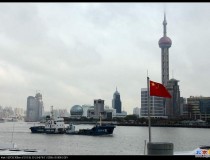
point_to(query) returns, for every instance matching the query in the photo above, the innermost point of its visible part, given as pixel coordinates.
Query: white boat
(54, 125)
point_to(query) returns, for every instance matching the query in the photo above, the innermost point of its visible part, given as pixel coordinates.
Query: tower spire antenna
(164, 25)
(165, 43)
(172, 73)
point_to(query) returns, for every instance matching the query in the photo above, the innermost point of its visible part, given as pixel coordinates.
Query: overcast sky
(73, 53)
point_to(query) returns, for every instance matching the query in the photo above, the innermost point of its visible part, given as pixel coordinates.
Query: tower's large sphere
(165, 42)
(76, 110)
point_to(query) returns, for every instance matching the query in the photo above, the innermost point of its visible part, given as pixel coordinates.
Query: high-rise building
(98, 107)
(165, 43)
(116, 102)
(85, 109)
(35, 108)
(183, 107)
(172, 105)
(136, 111)
(198, 107)
(38, 97)
(156, 105)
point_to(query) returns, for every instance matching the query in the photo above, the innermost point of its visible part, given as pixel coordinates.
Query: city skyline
(73, 53)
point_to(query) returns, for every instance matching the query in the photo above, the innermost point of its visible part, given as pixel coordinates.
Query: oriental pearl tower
(165, 44)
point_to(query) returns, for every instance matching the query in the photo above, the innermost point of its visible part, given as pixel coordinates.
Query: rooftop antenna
(100, 118)
(12, 130)
(52, 111)
(13, 144)
(37, 91)
(164, 8)
(148, 105)
(172, 73)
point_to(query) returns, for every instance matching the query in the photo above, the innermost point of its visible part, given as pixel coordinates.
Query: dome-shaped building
(76, 110)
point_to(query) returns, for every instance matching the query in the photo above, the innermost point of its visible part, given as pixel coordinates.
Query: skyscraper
(172, 107)
(136, 111)
(165, 43)
(98, 107)
(156, 104)
(116, 102)
(34, 108)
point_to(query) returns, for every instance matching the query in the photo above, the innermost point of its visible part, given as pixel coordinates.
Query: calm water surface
(126, 140)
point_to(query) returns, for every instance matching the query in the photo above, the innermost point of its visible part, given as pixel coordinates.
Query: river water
(126, 140)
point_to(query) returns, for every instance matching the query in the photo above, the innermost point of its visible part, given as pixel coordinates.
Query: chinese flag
(157, 89)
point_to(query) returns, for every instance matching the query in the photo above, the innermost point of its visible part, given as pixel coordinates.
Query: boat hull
(54, 131)
(37, 129)
(95, 131)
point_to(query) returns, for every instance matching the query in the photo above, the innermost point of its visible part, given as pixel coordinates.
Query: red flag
(157, 89)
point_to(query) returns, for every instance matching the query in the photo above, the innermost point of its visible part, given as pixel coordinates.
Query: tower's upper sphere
(165, 42)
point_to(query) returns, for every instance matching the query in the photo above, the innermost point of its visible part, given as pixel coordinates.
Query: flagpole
(148, 105)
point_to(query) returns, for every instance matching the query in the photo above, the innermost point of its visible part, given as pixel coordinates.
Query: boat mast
(100, 118)
(52, 112)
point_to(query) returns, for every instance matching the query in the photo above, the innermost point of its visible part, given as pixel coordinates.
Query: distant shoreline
(145, 125)
(175, 125)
